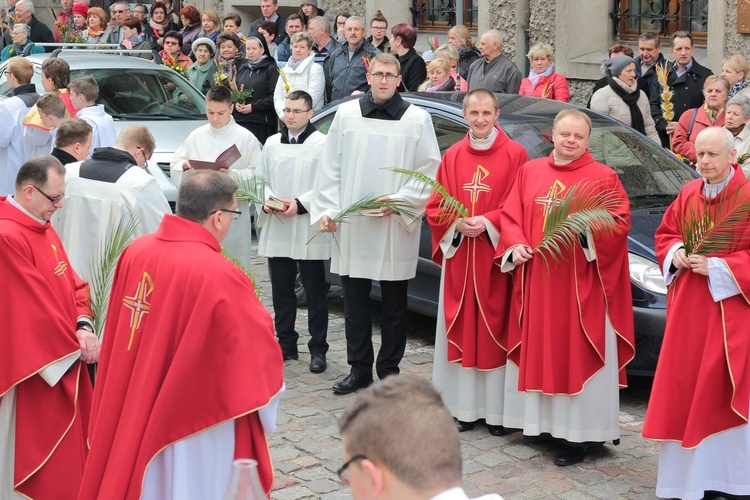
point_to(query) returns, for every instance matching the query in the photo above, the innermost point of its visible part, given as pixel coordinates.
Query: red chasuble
(187, 346)
(42, 299)
(476, 295)
(702, 382)
(559, 342)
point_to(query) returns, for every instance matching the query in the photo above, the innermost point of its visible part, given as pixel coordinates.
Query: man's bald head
(714, 150)
(718, 135)
(490, 45)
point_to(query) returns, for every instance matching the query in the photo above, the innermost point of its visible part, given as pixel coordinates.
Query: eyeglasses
(295, 111)
(343, 471)
(379, 28)
(53, 200)
(380, 76)
(171, 42)
(236, 213)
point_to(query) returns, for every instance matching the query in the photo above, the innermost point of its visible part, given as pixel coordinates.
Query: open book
(224, 160)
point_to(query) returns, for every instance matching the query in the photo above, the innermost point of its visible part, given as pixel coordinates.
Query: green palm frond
(103, 267)
(251, 190)
(716, 226)
(583, 210)
(450, 207)
(237, 262)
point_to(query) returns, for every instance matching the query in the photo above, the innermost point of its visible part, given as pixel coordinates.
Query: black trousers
(358, 326)
(283, 272)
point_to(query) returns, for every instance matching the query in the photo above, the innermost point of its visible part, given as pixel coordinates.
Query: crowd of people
(525, 342)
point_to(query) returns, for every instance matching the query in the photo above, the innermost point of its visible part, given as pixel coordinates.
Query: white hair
(23, 27)
(355, 18)
(28, 5)
(743, 102)
(726, 135)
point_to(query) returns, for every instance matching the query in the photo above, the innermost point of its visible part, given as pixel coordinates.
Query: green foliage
(237, 262)
(450, 208)
(251, 190)
(718, 225)
(103, 268)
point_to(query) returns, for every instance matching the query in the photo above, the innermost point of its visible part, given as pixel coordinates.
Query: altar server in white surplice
(367, 137)
(207, 143)
(109, 188)
(290, 162)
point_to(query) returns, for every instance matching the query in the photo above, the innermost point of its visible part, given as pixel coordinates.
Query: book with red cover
(224, 160)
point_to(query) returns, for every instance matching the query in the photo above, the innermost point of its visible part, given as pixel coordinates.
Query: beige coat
(606, 101)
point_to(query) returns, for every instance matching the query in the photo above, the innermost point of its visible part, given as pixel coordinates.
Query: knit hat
(204, 41)
(428, 56)
(615, 66)
(310, 2)
(81, 9)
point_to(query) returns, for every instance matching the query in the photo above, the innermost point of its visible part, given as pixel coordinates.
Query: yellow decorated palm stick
(667, 108)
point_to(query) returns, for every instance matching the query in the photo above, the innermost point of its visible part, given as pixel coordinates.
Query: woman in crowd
(80, 11)
(201, 73)
(439, 77)
(191, 20)
(301, 73)
(133, 39)
(21, 43)
(735, 70)
(459, 37)
(711, 114)
(172, 53)
(210, 25)
(97, 32)
(230, 56)
(341, 18)
(542, 80)
(309, 9)
(259, 73)
(378, 30)
(450, 54)
(622, 99)
(269, 30)
(737, 116)
(413, 70)
(158, 25)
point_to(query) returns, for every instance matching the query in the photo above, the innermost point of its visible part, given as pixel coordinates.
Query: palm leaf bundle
(716, 226)
(251, 190)
(450, 207)
(237, 262)
(103, 268)
(582, 210)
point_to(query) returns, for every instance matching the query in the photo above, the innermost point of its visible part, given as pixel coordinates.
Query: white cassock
(370, 247)
(13, 149)
(307, 76)
(92, 209)
(39, 141)
(104, 135)
(593, 414)
(289, 172)
(472, 394)
(207, 143)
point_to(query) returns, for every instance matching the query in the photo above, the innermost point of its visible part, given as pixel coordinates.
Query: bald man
(493, 71)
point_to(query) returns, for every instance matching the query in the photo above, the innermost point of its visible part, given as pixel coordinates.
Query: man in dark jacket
(493, 71)
(650, 56)
(269, 9)
(40, 33)
(413, 68)
(347, 67)
(686, 78)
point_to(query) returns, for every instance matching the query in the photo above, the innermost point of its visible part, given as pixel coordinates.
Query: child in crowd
(83, 92)
(51, 109)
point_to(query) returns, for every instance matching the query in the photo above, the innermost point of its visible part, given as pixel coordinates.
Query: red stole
(702, 382)
(42, 298)
(187, 346)
(559, 337)
(476, 295)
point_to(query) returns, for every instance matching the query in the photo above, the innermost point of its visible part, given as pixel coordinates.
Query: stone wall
(734, 43)
(503, 17)
(353, 7)
(580, 91)
(542, 22)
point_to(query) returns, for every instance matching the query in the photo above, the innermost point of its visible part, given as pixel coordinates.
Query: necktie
(293, 141)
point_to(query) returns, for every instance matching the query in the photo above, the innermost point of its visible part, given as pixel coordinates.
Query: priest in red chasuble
(471, 343)
(191, 372)
(701, 394)
(573, 333)
(47, 338)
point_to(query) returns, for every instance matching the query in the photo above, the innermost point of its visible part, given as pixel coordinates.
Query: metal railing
(633, 17)
(441, 14)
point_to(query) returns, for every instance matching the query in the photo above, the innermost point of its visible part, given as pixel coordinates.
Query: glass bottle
(245, 483)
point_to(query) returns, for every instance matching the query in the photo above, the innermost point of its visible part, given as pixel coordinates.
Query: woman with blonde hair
(735, 69)
(450, 54)
(542, 80)
(439, 77)
(300, 73)
(459, 37)
(711, 114)
(210, 25)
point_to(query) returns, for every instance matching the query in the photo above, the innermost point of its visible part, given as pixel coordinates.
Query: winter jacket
(684, 143)
(308, 76)
(344, 75)
(688, 88)
(554, 86)
(189, 34)
(654, 95)
(606, 101)
(202, 76)
(413, 71)
(261, 78)
(466, 56)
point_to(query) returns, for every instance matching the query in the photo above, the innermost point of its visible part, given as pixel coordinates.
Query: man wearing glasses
(400, 442)
(207, 143)
(190, 374)
(368, 136)
(120, 12)
(47, 338)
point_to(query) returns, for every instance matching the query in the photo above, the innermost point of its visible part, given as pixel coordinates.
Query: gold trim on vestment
(37, 372)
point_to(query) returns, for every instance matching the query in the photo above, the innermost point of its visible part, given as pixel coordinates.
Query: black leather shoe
(570, 455)
(496, 430)
(352, 383)
(318, 363)
(464, 426)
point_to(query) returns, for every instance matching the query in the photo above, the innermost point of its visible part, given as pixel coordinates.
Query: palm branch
(581, 211)
(103, 267)
(450, 207)
(251, 190)
(717, 225)
(237, 262)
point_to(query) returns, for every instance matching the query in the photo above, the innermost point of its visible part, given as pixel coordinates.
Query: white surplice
(104, 133)
(92, 209)
(13, 149)
(375, 248)
(207, 143)
(288, 171)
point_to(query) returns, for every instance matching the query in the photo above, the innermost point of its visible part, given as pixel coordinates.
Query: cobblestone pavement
(306, 449)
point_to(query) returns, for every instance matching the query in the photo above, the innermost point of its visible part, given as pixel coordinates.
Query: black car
(651, 176)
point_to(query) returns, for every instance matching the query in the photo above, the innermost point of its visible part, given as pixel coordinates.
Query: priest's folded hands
(89, 346)
(522, 254)
(471, 227)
